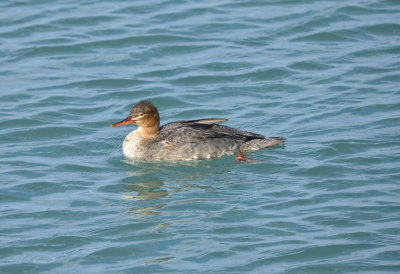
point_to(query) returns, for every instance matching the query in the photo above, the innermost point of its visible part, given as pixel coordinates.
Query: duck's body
(185, 140)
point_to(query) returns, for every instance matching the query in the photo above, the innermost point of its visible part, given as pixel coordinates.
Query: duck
(186, 140)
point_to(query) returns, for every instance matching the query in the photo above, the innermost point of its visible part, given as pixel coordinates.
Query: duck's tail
(262, 143)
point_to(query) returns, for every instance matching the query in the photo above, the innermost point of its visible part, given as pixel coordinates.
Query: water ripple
(324, 75)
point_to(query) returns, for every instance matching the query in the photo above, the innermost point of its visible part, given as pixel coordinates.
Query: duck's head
(143, 114)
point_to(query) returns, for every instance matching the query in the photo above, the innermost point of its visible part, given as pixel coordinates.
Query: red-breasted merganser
(187, 139)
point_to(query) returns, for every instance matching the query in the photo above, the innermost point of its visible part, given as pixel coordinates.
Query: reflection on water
(149, 189)
(149, 184)
(144, 189)
(145, 210)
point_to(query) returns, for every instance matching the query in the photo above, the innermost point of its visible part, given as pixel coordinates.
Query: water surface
(325, 75)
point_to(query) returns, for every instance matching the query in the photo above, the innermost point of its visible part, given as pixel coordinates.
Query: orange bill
(124, 122)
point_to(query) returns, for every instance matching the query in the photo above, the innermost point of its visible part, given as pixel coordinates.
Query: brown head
(144, 114)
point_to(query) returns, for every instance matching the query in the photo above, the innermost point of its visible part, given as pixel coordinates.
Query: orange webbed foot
(242, 158)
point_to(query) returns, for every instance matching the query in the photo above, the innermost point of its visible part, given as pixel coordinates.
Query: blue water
(323, 74)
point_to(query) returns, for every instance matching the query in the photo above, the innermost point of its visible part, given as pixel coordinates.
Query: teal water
(323, 74)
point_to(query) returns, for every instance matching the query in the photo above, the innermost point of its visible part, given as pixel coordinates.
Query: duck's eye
(141, 114)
